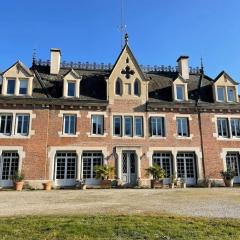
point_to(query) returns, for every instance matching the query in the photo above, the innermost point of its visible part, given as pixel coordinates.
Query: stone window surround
(223, 155)
(165, 126)
(175, 84)
(189, 117)
(61, 115)
(89, 115)
(128, 115)
(17, 86)
(14, 113)
(226, 93)
(174, 151)
(79, 150)
(229, 117)
(65, 86)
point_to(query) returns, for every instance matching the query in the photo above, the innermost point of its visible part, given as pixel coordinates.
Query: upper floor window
(117, 126)
(137, 88)
(6, 124)
(231, 94)
(128, 131)
(223, 127)
(180, 93)
(235, 127)
(22, 124)
(69, 124)
(157, 127)
(23, 86)
(11, 86)
(118, 87)
(97, 124)
(71, 89)
(138, 125)
(221, 94)
(182, 127)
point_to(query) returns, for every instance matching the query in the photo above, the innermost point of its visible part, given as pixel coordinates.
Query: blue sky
(159, 31)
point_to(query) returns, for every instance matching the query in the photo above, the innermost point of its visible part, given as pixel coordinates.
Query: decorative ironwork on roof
(109, 66)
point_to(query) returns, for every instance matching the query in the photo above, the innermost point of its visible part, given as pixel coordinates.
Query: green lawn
(118, 227)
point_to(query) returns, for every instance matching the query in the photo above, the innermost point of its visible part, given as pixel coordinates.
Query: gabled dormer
(17, 80)
(71, 84)
(180, 89)
(127, 81)
(225, 89)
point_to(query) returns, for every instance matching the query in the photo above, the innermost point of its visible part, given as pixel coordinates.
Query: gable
(223, 79)
(71, 75)
(18, 70)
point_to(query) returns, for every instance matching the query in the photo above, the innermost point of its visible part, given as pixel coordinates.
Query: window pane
(223, 130)
(11, 87)
(139, 126)
(97, 124)
(118, 88)
(157, 126)
(117, 126)
(136, 87)
(180, 92)
(23, 86)
(231, 94)
(235, 125)
(182, 127)
(128, 126)
(220, 93)
(71, 89)
(6, 124)
(23, 124)
(70, 124)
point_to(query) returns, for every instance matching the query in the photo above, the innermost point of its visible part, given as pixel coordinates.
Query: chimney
(183, 67)
(55, 61)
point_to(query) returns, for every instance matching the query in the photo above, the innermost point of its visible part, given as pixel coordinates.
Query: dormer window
(71, 89)
(221, 94)
(180, 93)
(231, 95)
(11, 86)
(23, 86)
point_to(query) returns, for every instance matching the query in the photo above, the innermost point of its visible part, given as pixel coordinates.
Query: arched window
(118, 87)
(137, 87)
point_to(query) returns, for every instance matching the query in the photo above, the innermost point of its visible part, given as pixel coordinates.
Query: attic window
(221, 94)
(180, 93)
(23, 85)
(231, 94)
(71, 89)
(11, 86)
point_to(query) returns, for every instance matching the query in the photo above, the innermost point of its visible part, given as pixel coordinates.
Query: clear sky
(159, 31)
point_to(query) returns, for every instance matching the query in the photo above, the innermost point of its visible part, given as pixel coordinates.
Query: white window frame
(117, 117)
(97, 122)
(162, 127)
(71, 82)
(221, 119)
(183, 92)
(131, 128)
(224, 94)
(234, 94)
(5, 123)
(234, 120)
(16, 126)
(21, 80)
(181, 130)
(70, 116)
(11, 79)
(135, 128)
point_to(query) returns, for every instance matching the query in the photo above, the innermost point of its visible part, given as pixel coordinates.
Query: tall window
(23, 86)
(6, 124)
(11, 86)
(71, 89)
(182, 127)
(137, 88)
(97, 125)
(118, 87)
(22, 124)
(128, 131)
(223, 128)
(157, 127)
(69, 124)
(117, 126)
(231, 94)
(180, 92)
(221, 94)
(235, 126)
(164, 160)
(138, 121)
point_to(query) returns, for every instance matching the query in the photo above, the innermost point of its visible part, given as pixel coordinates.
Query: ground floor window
(9, 165)
(89, 161)
(66, 165)
(164, 160)
(233, 162)
(186, 165)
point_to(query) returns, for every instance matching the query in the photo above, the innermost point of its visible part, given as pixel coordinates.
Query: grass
(117, 227)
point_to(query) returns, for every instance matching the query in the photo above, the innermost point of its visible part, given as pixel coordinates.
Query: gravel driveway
(214, 202)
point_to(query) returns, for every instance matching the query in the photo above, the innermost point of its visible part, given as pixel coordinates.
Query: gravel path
(214, 202)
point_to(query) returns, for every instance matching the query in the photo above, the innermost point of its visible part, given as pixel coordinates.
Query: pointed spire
(126, 38)
(202, 67)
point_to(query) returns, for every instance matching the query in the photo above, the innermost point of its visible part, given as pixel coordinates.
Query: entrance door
(129, 175)
(90, 160)
(8, 167)
(233, 162)
(186, 167)
(65, 168)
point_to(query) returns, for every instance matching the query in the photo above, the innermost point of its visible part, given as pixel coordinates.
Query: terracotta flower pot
(228, 183)
(172, 185)
(157, 183)
(19, 186)
(47, 186)
(106, 183)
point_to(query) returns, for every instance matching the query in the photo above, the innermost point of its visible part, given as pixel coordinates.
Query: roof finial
(202, 67)
(123, 24)
(126, 38)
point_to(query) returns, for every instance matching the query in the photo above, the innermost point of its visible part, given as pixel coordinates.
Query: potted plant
(158, 175)
(183, 183)
(47, 186)
(104, 172)
(228, 177)
(18, 181)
